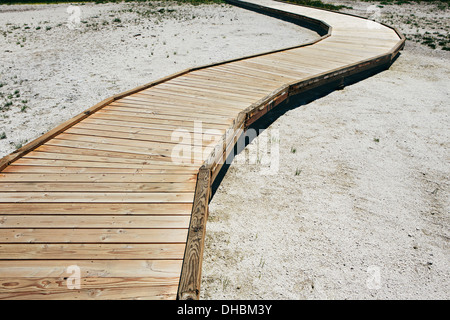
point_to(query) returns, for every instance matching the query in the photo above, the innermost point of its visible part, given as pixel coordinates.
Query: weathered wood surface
(106, 191)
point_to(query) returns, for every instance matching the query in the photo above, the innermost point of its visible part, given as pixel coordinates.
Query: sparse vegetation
(193, 2)
(430, 30)
(433, 40)
(318, 4)
(442, 3)
(19, 144)
(3, 135)
(262, 262)
(7, 105)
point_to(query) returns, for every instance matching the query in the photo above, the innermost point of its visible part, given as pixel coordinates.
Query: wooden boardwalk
(107, 192)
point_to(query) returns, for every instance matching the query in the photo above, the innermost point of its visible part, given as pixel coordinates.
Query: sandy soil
(50, 73)
(360, 206)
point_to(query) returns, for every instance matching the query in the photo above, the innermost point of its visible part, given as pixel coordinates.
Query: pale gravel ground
(61, 72)
(372, 193)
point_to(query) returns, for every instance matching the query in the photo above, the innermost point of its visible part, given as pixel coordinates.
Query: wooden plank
(257, 77)
(93, 236)
(156, 123)
(171, 187)
(172, 108)
(329, 61)
(112, 177)
(137, 133)
(68, 147)
(194, 128)
(150, 292)
(93, 221)
(216, 119)
(262, 75)
(174, 112)
(185, 94)
(73, 159)
(94, 268)
(157, 145)
(277, 68)
(172, 157)
(109, 169)
(260, 67)
(376, 46)
(165, 155)
(91, 251)
(85, 197)
(157, 96)
(60, 154)
(128, 209)
(36, 161)
(312, 68)
(214, 92)
(168, 104)
(100, 279)
(201, 82)
(100, 222)
(50, 286)
(330, 56)
(287, 62)
(245, 79)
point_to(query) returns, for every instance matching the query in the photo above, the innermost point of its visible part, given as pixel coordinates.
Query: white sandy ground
(366, 216)
(61, 72)
(356, 206)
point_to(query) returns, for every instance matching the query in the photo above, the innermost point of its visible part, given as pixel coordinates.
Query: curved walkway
(119, 194)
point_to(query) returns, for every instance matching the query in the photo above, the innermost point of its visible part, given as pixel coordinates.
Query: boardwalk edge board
(190, 277)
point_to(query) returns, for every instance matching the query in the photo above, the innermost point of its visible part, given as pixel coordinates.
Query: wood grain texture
(119, 235)
(189, 288)
(89, 251)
